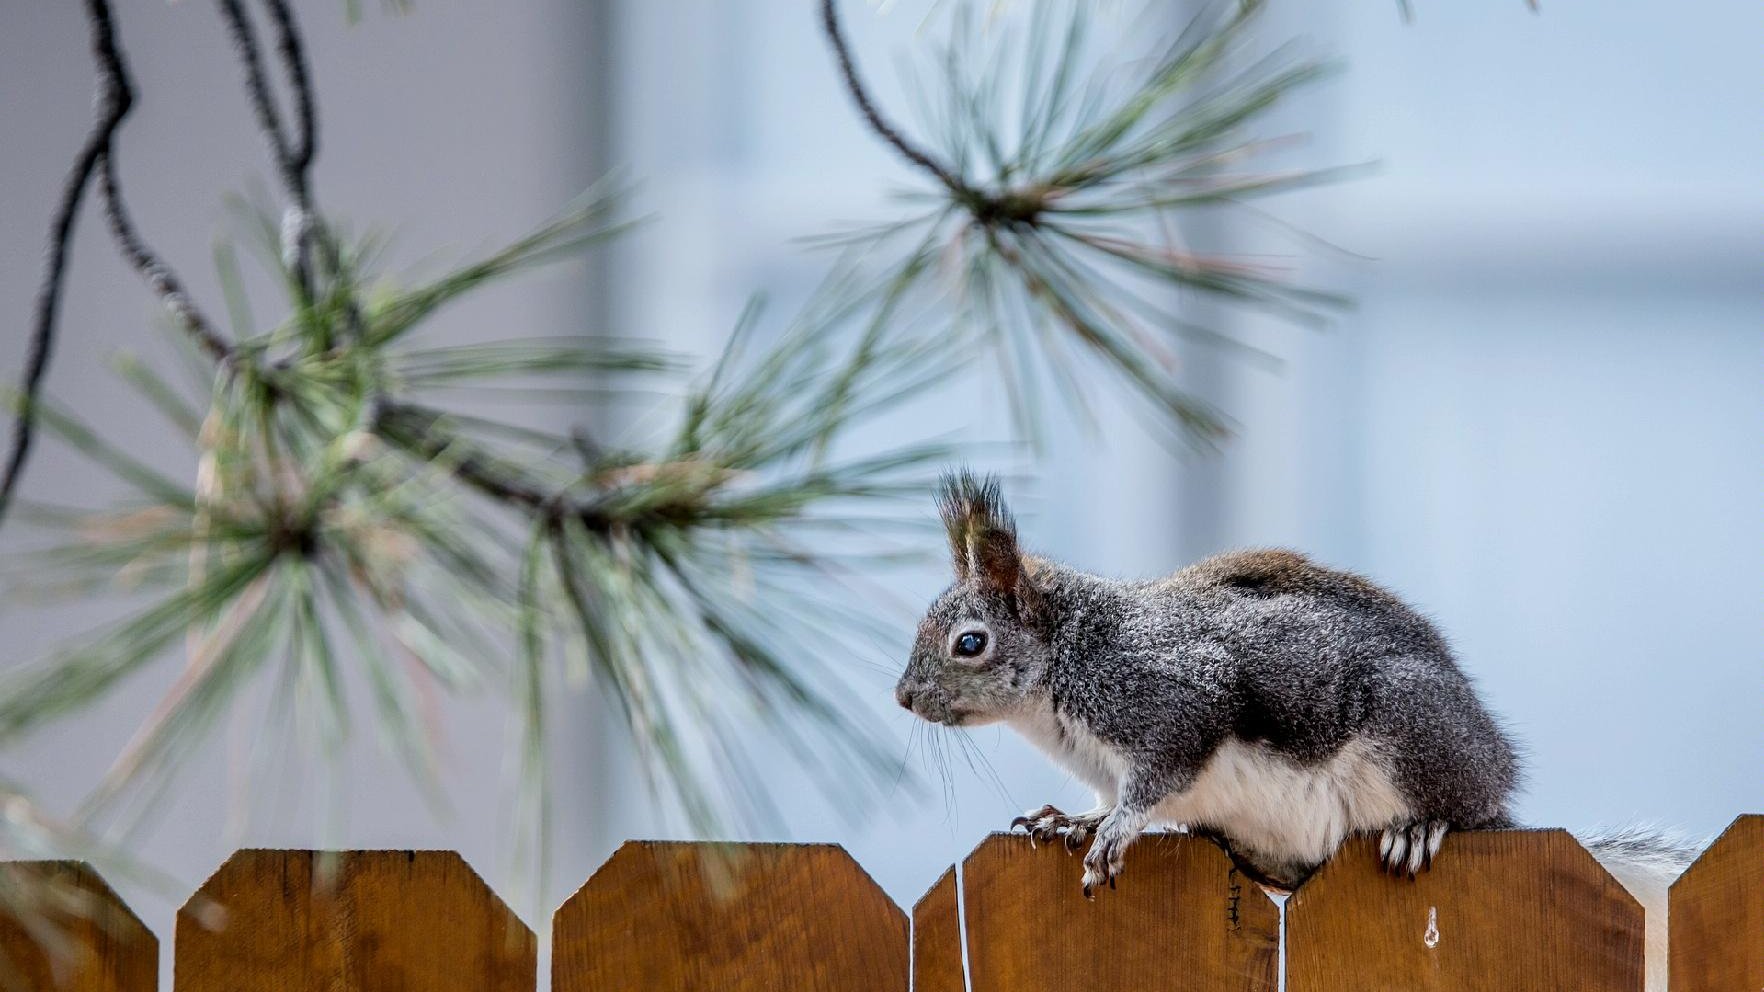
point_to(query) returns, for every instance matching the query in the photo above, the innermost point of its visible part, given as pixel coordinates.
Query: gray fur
(1263, 658)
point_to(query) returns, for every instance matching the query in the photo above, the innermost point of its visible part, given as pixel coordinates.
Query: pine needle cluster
(1061, 182)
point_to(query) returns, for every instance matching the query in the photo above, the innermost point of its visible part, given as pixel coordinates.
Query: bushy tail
(1646, 862)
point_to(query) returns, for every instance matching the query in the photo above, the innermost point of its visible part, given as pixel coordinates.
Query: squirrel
(1272, 704)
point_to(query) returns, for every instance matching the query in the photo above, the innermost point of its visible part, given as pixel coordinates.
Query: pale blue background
(1542, 424)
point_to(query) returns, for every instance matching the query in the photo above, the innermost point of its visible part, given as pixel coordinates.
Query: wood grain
(937, 938)
(1499, 910)
(1717, 914)
(354, 921)
(99, 944)
(729, 918)
(1181, 918)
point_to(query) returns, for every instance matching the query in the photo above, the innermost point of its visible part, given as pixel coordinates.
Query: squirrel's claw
(1048, 823)
(1034, 817)
(1102, 864)
(1095, 875)
(1036, 823)
(1409, 849)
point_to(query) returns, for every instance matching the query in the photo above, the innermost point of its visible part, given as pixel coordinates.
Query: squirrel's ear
(982, 535)
(983, 545)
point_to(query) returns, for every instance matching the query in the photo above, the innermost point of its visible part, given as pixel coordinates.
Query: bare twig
(263, 103)
(293, 53)
(292, 155)
(152, 268)
(114, 101)
(867, 106)
(115, 72)
(115, 98)
(309, 229)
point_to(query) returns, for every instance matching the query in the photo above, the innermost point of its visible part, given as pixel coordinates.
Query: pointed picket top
(729, 917)
(1717, 913)
(1182, 918)
(350, 921)
(937, 938)
(1499, 910)
(74, 934)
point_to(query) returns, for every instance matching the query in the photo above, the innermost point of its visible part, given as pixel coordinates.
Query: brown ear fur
(983, 540)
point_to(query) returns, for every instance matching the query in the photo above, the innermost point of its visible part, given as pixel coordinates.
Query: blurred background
(1540, 424)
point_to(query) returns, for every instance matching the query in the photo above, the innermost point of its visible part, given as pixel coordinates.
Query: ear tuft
(982, 535)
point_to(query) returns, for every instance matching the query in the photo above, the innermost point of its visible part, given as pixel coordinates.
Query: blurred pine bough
(347, 524)
(1062, 167)
(342, 517)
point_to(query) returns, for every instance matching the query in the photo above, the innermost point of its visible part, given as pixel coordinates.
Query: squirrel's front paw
(1411, 847)
(1048, 822)
(1102, 864)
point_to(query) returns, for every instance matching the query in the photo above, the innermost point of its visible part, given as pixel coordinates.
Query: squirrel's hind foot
(1047, 823)
(1409, 849)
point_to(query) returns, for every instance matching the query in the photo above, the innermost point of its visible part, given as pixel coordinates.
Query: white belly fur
(1268, 804)
(1289, 812)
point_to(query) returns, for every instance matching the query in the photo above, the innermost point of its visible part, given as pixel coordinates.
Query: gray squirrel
(1258, 698)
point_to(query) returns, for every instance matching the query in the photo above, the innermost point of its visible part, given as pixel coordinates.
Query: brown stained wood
(1499, 911)
(1717, 914)
(1181, 919)
(729, 918)
(937, 938)
(355, 921)
(90, 941)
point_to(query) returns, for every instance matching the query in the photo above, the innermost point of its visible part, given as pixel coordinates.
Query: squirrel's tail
(1646, 862)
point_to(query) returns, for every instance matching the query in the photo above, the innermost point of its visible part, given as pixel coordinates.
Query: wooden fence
(1500, 911)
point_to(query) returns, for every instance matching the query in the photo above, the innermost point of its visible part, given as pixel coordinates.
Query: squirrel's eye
(970, 644)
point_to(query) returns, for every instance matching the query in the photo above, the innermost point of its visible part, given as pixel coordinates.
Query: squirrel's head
(982, 647)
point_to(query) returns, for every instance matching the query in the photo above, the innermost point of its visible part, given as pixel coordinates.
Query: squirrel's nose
(903, 694)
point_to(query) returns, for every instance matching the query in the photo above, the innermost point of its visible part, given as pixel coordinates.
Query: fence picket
(100, 945)
(729, 917)
(1182, 918)
(354, 921)
(1717, 914)
(1499, 910)
(937, 938)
